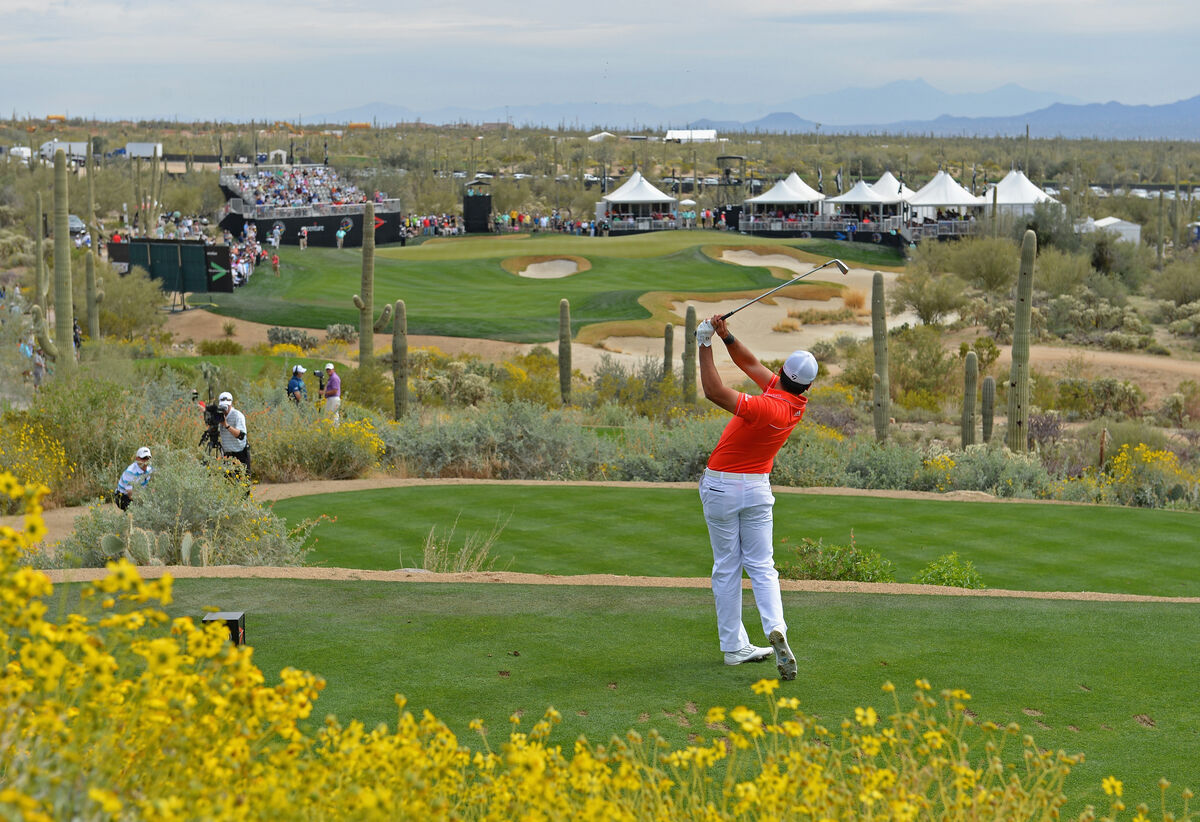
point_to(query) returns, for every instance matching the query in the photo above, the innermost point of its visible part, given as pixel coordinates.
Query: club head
(842, 267)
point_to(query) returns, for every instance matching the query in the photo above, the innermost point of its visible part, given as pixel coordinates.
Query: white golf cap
(299, 369)
(225, 395)
(328, 366)
(143, 453)
(800, 367)
(225, 405)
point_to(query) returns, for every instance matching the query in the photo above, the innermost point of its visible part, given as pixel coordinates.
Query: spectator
(135, 477)
(296, 391)
(333, 393)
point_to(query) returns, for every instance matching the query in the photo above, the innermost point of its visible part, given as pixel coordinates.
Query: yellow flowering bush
(118, 712)
(32, 456)
(1140, 475)
(286, 350)
(294, 444)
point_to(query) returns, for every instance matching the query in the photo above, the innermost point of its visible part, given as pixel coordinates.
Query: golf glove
(704, 333)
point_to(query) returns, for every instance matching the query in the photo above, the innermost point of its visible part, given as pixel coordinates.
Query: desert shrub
(130, 305)
(342, 332)
(834, 406)
(187, 496)
(291, 336)
(665, 453)
(1088, 399)
(994, 469)
(441, 556)
(454, 383)
(986, 352)
(286, 350)
(640, 387)
(15, 248)
(369, 386)
(217, 348)
(1148, 477)
(293, 443)
(932, 297)
(812, 559)
(531, 377)
(885, 465)
(989, 264)
(816, 316)
(825, 351)
(1179, 281)
(919, 363)
(517, 440)
(950, 571)
(1060, 272)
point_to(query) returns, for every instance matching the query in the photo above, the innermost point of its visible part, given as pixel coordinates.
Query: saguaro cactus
(400, 359)
(1018, 384)
(970, 382)
(668, 350)
(64, 308)
(95, 296)
(41, 281)
(365, 301)
(987, 396)
(881, 403)
(689, 356)
(564, 350)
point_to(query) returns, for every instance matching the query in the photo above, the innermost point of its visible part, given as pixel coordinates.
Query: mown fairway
(555, 529)
(458, 287)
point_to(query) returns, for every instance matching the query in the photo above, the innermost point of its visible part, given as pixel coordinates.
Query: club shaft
(773, 290)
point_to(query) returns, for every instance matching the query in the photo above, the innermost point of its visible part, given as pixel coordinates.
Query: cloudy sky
(266, 59)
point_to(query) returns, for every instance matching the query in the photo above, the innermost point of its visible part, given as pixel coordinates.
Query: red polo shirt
(759, 428)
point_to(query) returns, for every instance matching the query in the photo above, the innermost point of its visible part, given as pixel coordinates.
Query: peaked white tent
(944, 192)
(637, 205)
(891, 189)
(638, 190)
(786, 195)
(860, 194)
(1016, 194)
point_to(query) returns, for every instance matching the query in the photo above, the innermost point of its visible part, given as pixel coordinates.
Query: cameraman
(233, 431)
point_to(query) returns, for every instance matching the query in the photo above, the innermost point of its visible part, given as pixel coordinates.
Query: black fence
(182, 265)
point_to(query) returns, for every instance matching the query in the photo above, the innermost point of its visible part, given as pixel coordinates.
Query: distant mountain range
(900, 107)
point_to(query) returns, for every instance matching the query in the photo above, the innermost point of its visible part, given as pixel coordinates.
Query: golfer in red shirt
(736, 490)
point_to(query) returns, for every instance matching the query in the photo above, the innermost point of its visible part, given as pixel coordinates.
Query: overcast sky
(265, 59)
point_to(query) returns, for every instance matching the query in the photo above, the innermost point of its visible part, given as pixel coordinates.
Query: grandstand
(288, 200)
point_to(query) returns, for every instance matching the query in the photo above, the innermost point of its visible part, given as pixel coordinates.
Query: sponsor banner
(181, 265)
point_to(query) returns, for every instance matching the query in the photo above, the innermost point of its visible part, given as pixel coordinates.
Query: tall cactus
(365, 303)
(564, 350)
(970, 383)
(64, 308)
(1018, 384)
(881, 403)
(42, 333)
(400, 359)
(987, 396)
(93, 230)
(41, 281)
(95, 296)
(688, 388)
(668, 350)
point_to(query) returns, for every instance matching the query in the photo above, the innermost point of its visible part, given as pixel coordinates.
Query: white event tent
(1016, 194)
(863, 195)
(942, 192)
(891, 189)
(786, 195)
(637, 198)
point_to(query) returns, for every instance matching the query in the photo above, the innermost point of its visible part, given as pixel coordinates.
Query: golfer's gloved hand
(704, 333)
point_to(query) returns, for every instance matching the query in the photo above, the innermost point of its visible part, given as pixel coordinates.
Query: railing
(915, 231)
(643, 224)
(265, 212)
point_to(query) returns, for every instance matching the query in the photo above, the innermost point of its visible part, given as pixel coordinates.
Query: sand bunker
(550, 269)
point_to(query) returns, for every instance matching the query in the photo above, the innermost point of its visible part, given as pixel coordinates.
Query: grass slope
(459, 288)
(661, 532)
(1101, 678)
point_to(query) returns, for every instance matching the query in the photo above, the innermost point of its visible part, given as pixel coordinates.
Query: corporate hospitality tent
(786, 195)
(863, 196)
(891, 189)
(637, 198)
(940, 193)
(1126, 231)
(1016, 194)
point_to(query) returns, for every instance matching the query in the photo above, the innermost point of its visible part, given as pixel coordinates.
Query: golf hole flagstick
(842, 267)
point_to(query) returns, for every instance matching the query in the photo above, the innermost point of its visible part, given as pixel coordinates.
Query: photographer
(232, 430)
(296, 391)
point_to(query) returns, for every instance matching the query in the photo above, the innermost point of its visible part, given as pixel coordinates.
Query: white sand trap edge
(550, 270)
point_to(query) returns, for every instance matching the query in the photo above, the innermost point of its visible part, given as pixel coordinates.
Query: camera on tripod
(213, 417)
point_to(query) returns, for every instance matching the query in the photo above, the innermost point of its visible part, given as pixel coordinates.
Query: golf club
(842, 267)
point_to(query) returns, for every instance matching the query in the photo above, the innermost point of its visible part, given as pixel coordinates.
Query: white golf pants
(738, 510)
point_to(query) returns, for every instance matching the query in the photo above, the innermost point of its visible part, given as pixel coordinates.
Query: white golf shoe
(750, 653)
(785, 660)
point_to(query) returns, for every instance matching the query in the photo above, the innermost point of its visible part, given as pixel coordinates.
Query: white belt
(728, 475)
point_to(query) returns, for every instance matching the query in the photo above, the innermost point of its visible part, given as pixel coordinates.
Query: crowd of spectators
(297, 187)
